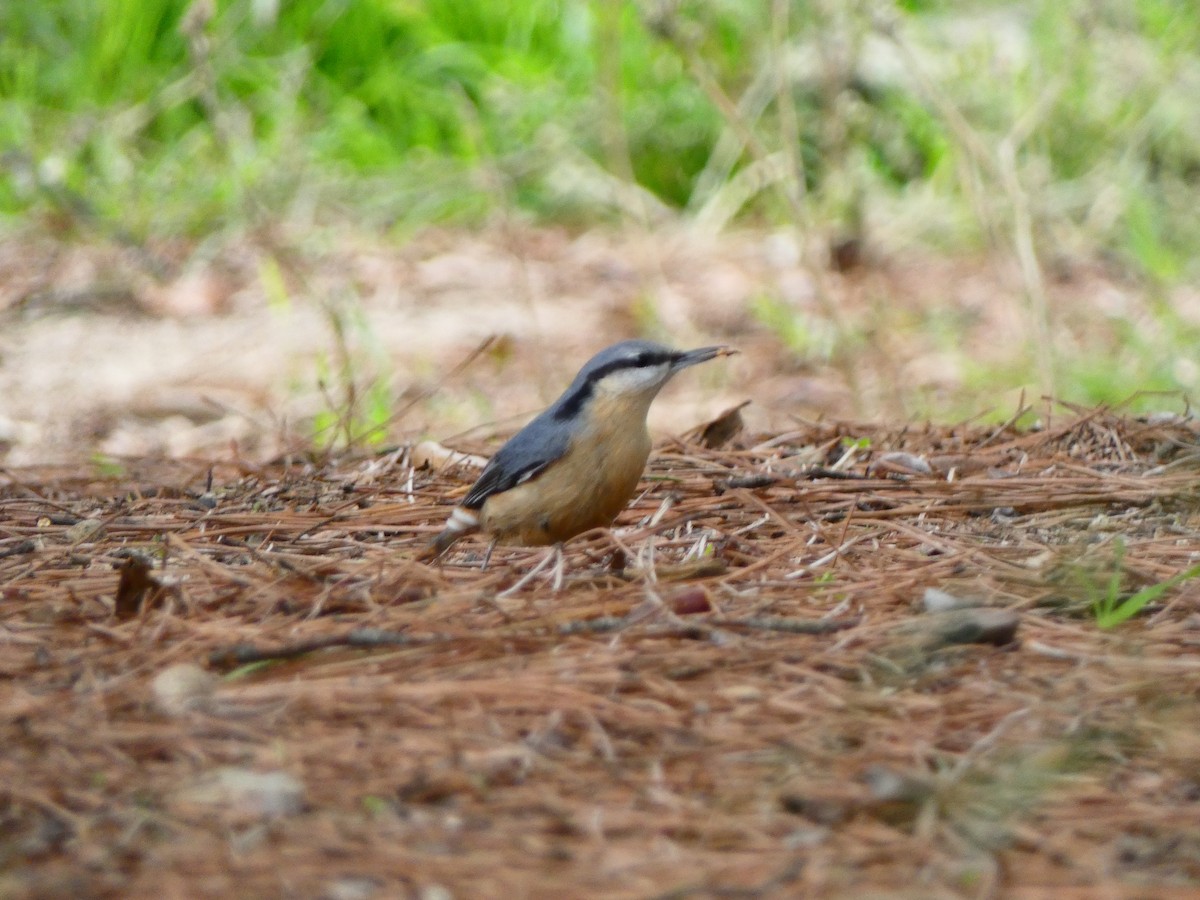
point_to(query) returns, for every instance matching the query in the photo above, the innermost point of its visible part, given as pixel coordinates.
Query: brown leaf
(724, 428)
(135, 581)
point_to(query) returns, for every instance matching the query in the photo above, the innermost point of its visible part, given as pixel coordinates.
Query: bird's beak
(703, 354)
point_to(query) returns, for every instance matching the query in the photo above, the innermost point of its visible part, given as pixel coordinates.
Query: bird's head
(631, 369)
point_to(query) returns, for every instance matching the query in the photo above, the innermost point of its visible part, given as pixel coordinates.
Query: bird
(577, 464)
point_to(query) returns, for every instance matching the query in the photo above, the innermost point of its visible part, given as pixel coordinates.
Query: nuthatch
(577, 464)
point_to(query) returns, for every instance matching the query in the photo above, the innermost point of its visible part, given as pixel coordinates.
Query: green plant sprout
(1111, 609)
(357, 392)
(107, 467)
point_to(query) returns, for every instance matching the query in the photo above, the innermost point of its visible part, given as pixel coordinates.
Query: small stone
(247, 794)
(85, 530)
(973, 626)
(182, 689)
(937, 600)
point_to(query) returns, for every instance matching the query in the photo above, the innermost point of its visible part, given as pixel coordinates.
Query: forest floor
(822, 657)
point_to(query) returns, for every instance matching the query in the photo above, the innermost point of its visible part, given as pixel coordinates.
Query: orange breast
(585, 489)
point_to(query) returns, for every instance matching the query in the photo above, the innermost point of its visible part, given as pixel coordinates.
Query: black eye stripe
(643, 359)
(571, 403)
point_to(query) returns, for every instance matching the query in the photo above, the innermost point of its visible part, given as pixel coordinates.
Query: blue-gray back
(545, 439)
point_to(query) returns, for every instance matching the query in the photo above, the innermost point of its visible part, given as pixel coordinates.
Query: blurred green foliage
(177, 117)
(128, 99)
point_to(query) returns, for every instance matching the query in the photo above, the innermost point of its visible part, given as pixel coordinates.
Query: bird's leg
(487, 556)
(558, 567)
(556, 556)
(531, 574)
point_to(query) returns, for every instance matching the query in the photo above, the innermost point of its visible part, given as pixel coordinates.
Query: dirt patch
(233, 680)
(234, 349)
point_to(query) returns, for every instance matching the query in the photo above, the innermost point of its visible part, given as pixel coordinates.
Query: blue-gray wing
(525, 456)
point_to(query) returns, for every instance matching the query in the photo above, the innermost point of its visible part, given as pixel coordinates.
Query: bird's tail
(461, 523)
